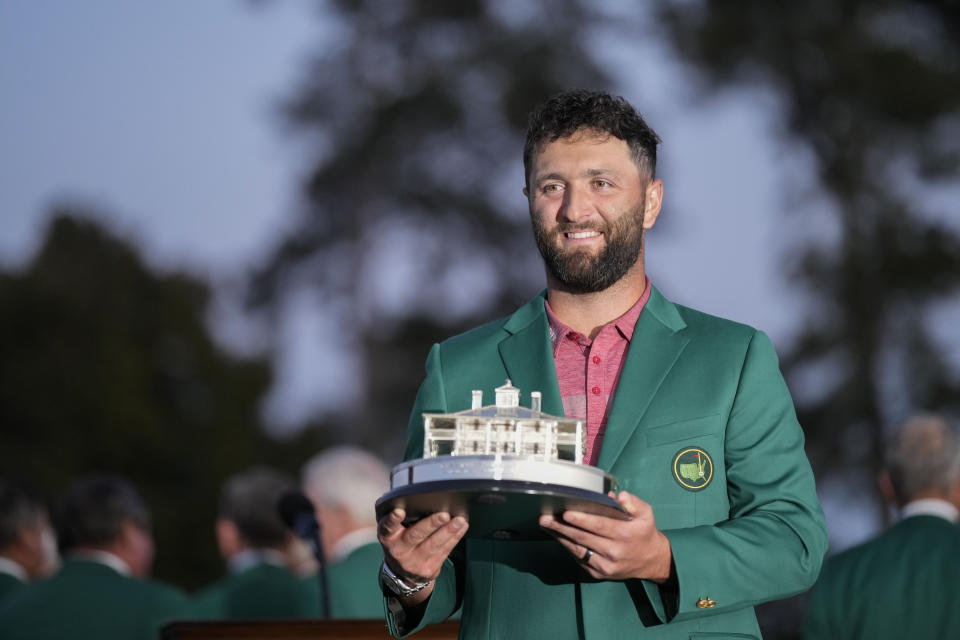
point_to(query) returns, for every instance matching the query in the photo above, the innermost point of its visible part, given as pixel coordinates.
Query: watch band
(398, 585)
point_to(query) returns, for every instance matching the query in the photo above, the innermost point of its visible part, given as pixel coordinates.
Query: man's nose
(577, 205)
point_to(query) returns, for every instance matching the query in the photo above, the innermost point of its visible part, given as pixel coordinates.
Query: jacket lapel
(656, 344)
(528, 357)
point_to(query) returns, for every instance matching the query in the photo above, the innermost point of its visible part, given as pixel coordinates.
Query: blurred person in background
(102, 590)
(254, 543)
(901, 584)
(344, 484)
(28, 547)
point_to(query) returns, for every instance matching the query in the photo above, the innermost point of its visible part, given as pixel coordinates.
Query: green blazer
(901, 584)
(755, 532)
(354, 584)
(260, 592)
(90, 601)
(9, 586)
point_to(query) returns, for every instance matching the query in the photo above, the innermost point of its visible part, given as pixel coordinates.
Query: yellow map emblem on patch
(692, 468)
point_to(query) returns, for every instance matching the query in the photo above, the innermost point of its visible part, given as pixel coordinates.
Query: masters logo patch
(692, 468)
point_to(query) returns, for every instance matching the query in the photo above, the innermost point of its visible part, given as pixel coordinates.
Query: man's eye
(552, 188)
(602, 184)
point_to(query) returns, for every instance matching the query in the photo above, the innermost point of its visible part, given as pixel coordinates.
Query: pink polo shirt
(588, 370)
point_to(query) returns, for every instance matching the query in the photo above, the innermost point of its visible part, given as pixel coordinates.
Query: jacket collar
(658, 340)
(527, 355)
(656, 345)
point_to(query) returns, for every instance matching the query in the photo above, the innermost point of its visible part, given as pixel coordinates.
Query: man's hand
(619, 549)
(416, 553)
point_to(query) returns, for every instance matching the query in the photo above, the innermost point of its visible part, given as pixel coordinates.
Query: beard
(577, 271)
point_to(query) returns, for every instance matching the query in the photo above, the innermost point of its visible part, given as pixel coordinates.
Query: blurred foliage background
(412, 122)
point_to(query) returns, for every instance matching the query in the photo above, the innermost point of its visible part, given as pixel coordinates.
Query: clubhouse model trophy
(501, 466)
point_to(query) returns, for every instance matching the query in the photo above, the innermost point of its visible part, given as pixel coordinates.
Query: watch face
(391, 585)
(392, 581)
(396, 584)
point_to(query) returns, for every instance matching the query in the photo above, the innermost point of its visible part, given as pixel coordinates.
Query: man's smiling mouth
(579, 235)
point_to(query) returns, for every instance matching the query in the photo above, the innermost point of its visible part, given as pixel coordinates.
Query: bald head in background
(344, 484)
(923, 463)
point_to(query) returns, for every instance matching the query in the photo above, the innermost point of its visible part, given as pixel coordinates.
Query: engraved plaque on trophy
(501, 466)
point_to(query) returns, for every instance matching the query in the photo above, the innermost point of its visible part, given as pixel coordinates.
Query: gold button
(706, 603)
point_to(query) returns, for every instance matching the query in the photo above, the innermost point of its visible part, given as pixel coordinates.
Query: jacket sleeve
(448, 591)
(773, 542)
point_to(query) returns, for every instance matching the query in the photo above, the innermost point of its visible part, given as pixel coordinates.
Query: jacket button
(706, 603)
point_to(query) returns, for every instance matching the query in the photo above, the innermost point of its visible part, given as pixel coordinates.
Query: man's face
(38, 545)
(139, 549)
(590, 206)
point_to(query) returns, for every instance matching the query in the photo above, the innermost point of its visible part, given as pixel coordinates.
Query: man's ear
(885, 485)
(526, 192)
(228, 537)
(955, 494)
(653, 200)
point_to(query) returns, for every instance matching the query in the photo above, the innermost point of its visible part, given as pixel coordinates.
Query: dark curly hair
(249, 500)
(566, 113)
(94, 509)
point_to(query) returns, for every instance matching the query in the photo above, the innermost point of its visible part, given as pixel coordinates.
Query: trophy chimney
(508, 399)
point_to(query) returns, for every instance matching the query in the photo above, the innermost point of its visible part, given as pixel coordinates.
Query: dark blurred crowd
(82, 570)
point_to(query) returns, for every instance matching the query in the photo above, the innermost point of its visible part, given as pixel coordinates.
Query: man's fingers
(595, 564)
(399, 540)
(633, 505)
(442, 542)
(575, 534)
(598, 525)
(416, 534)
(426, 558)
(390, 524)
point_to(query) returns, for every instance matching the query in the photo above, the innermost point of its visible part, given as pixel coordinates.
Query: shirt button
(596, 359)
(574, 335)
(596, 391)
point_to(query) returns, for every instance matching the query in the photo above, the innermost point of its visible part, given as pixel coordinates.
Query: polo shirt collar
(625, 324)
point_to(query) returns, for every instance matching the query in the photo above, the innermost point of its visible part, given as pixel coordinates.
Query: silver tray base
(502, 497)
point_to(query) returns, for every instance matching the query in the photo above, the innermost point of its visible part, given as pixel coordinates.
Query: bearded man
(662, 388)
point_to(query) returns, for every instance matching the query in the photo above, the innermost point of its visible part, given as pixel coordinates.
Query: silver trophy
(501, 466)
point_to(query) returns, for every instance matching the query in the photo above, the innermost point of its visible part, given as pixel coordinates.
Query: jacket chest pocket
(678, 467)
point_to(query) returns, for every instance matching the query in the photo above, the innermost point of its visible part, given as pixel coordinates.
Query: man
(661, 387)
(101, 591)
(28, 548)
(343, 482)
(901, 584)
(253, 541)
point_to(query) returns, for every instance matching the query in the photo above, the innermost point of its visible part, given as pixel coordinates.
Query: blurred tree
(873, 90)
(414, 226)
(108, 366)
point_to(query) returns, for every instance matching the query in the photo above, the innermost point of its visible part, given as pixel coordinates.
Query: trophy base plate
(497, 509)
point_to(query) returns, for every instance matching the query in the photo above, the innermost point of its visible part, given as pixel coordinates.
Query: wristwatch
(398, 585)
